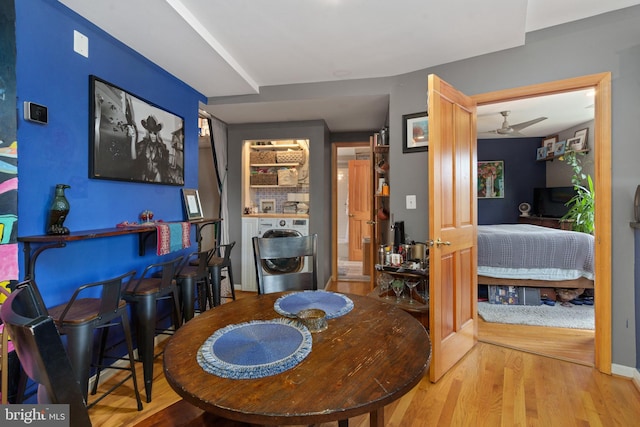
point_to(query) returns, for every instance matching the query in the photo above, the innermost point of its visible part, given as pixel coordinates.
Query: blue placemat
(333, 304)
(255, 349)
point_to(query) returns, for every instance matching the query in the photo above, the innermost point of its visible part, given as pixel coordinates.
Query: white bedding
(524, 251)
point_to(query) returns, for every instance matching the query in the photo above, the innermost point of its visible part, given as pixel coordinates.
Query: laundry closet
(275, 197)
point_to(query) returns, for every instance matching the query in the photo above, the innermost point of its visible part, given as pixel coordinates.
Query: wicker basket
(264, 179)
(262, 157)
(290, 156)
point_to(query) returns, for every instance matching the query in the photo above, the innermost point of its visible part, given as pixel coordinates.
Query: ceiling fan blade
(523, 125)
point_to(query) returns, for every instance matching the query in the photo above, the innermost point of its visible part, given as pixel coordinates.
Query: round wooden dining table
(365, 359)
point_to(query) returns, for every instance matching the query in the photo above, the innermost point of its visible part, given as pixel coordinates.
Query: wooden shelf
(546, 159)
(257, 165)
(274, 186)
(380, 148)
(49, 241)
(275, 147)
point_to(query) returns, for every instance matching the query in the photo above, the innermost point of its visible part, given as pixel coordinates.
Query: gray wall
(320, 180)
(608, 42)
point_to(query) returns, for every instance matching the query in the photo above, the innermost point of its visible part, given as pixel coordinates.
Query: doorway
(602, 157)
(351, 170)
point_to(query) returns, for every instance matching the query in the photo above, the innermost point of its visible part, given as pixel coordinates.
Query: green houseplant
(581, 206)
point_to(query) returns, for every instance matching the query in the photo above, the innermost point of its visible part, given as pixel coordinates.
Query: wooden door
(359, 206)
(452, 225)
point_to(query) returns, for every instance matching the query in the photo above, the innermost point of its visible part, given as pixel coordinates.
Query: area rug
(576, 316)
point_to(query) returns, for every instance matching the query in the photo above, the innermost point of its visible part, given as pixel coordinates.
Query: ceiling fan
(514, 130)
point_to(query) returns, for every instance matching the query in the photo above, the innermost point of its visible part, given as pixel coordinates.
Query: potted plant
(581, 206)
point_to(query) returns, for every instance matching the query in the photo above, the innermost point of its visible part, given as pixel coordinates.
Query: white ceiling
(225, 48)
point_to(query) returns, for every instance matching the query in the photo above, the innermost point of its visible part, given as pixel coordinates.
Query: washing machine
(283, 227)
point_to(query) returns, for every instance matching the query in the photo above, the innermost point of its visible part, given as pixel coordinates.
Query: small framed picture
(575, 144)
(192, 206)
(541, 153)
(582, 134)
(550, 143)
(559, 148)
(267, 206)
(415, 132)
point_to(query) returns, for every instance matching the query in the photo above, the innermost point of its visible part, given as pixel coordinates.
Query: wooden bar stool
(82, 315)
(142, 294)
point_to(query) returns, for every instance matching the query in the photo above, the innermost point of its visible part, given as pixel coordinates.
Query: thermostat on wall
(36, 113)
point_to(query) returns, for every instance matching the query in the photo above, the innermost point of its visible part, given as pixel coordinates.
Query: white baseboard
(625, 371)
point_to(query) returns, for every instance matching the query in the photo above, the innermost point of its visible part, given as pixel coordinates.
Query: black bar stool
(192, 278)
(216, 264)
(82, 315)
(142, 294)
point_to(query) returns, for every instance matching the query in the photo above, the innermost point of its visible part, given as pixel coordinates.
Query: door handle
(371, 223)
(351, 215)
(440, 243)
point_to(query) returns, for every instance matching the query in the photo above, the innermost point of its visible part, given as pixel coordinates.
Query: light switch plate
(411, 201)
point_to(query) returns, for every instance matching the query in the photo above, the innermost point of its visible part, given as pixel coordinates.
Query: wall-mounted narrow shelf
(50, 241)
(546, 159)
(273, 164)
(276, 147)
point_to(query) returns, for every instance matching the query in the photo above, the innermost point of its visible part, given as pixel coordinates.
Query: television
(551, 202)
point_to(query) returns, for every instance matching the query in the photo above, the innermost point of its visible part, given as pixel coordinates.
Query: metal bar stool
(216, 265)
(192, 279)
(142, 294)
(82, 315)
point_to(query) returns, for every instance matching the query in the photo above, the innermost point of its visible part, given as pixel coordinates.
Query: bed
(530, 255)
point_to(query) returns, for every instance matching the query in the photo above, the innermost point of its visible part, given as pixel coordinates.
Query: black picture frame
(415, 132)
(192, 205)
(122, 146)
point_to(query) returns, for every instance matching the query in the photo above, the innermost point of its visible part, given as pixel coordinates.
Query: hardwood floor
(492, 385)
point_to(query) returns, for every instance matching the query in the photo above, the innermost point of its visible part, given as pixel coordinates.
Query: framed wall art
(132, 139)
(415, 132)
(575, 144)
(491, 180)
(550, 143)
(192, 205)
(268, 206)
(582, 134)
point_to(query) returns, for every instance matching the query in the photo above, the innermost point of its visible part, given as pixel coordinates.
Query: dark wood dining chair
(271, 248)
(42, 354)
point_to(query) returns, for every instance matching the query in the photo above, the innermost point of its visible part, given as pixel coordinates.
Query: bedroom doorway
(351, 163)
(602, 180)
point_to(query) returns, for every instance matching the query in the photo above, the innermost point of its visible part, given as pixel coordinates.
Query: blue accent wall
(522, 173)
(50, 73)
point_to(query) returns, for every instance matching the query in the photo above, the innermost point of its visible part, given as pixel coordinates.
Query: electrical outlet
(411, 201)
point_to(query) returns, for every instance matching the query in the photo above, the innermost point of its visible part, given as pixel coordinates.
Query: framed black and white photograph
(582, 134)
(415, 132)
(132, 139)
(541, 153)
(575, 144)
(192, 205)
